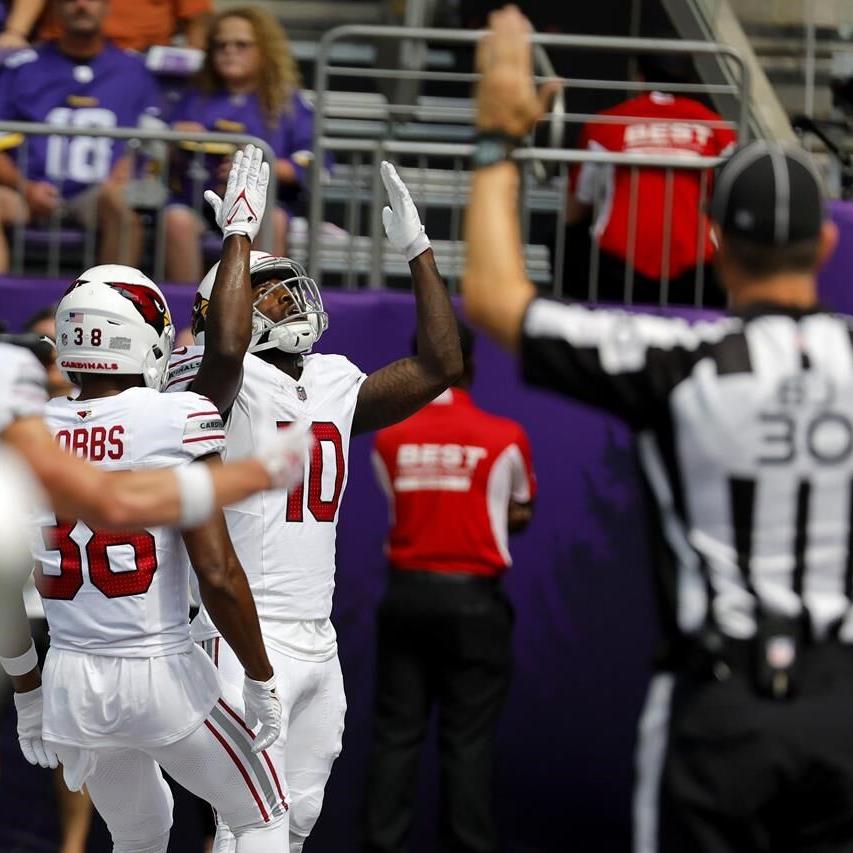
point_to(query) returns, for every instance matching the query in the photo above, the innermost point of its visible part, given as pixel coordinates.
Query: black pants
(681, 290)
(441, 641)
(746, 774)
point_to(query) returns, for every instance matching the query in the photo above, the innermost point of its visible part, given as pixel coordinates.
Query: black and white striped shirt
(745, 434)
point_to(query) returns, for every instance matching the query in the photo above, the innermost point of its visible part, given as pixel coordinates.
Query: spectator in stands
(17, 19)
(653, 224)
(82, 80)
(139, 24)
(249, 84)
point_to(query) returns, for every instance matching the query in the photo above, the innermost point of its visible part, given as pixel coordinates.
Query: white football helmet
(295, 333)
(114, 320)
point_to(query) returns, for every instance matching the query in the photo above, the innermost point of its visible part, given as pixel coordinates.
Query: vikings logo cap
(770, 194)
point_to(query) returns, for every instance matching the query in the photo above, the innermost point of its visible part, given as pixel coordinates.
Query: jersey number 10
(325, 432)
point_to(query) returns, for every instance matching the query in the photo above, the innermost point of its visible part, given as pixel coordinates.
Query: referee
(745, 433)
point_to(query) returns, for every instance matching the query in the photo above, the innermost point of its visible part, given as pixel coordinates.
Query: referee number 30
(827, 438)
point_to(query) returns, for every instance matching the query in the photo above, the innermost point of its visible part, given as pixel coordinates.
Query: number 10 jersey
(286, 540)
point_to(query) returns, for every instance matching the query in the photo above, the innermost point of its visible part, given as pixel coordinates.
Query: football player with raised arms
(126, 691)
(286, 541)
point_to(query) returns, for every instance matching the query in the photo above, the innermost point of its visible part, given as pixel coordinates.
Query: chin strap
(289, 335)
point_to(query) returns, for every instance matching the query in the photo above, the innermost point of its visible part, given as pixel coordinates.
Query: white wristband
(418, 246)
(269, 684)
(22, 664)
(197, 498)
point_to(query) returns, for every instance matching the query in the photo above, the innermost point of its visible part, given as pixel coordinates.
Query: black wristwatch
(492, 146)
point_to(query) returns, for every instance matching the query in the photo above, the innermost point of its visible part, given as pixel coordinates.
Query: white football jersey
(286, 540)
(23, 384)
(114, 593)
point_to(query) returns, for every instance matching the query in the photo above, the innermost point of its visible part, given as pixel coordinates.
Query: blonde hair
(278, 74)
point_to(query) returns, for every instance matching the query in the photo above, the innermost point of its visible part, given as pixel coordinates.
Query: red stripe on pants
(243, 772)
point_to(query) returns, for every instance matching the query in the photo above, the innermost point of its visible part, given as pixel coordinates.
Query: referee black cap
(769, 194)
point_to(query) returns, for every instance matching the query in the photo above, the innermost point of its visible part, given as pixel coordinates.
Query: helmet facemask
(305, 321)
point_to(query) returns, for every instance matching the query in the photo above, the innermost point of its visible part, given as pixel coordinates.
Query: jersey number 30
(112, 584)
(325, 432)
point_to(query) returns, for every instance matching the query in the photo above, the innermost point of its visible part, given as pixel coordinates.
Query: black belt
(773, 661)
(422, 576)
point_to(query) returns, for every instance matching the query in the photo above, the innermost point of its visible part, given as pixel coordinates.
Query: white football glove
(242, 209)
(401, 220)
(262, 706)
(283, 454)
(29, 707)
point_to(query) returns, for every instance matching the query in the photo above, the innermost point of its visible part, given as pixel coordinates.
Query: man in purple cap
(744, 429)
(81, 80)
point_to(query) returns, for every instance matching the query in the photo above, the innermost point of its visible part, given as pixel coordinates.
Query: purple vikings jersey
(44, 85)
(290, 137)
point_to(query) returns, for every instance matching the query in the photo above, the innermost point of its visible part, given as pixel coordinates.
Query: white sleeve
(183, 367)
(592, 178)
(23, 385)
(199, 429)
(520, 487)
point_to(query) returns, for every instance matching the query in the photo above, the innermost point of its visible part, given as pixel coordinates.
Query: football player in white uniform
(286, 539)
(125, 687)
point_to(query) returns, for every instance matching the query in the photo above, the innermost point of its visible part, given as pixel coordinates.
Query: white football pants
(215, 763)
(313, 709)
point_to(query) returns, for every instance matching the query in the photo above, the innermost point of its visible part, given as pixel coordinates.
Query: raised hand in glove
(262, 707)
(29, 707)
(401, 220)
(242, 208)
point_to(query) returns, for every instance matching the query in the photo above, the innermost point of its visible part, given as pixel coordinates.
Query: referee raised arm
(745, 432)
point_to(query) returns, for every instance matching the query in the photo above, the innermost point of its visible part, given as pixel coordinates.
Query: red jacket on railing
(662, 125)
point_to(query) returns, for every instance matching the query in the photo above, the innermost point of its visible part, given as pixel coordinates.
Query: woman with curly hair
(249, 83)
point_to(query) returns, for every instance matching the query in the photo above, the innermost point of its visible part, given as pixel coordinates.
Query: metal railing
(429, 140)
(155, 184)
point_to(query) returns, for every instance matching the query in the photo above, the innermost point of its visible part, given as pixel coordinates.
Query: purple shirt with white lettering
(290, 137)
(114, 89)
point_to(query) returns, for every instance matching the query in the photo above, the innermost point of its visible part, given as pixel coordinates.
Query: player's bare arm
(398, 390)
(137, 499)
(519, 515)
(495, 286)
(22, 16)
(226, 595)
(228, 320)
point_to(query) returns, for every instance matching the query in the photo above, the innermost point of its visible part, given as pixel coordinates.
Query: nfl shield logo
(300, 392)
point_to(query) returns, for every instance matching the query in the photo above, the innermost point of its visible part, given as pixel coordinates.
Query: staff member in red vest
(655, 224)
(459, 481)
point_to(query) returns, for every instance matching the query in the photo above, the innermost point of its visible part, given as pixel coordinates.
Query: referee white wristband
(22, 664)
(195, 483)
